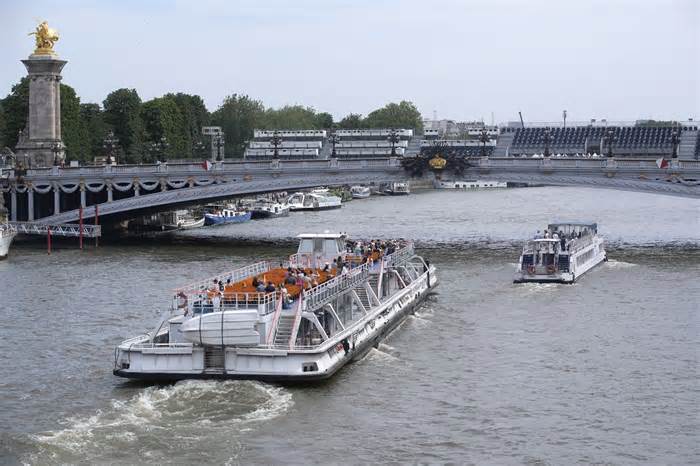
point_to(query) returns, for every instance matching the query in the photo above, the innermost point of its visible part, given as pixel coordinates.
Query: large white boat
(360, 192)
(184, 220)
(313, 201)
(301, 321)
(561, 254)
(269, 209)
(469, 184)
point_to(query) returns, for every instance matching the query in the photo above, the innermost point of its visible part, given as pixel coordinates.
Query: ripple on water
(164, 417)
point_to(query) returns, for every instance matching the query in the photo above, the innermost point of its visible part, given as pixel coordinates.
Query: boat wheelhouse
(303, 320)
(561, 254)
(269, 209)
(313, 201)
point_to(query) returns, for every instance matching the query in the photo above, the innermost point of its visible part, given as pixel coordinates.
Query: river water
(486, 372)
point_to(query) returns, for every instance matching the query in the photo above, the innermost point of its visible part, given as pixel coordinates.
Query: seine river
(487, 372)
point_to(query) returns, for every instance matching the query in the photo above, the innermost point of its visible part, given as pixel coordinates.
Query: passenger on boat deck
(256, 282)
(344, 270)
(260, 288)
(538, 235)
(326, 267)
(270, 288)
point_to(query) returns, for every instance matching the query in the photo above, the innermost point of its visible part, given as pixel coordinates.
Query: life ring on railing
(531, 269)
(551, 269)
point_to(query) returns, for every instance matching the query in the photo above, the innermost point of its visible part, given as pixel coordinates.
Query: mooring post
(80, 228)
(48, 240)
(97, 222)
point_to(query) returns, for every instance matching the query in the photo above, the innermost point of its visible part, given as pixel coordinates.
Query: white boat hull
(5, 241)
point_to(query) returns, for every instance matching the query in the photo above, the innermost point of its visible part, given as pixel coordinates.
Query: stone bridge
(54, 195)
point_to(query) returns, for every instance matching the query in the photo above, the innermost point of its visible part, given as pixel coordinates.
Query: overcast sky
(615, 59)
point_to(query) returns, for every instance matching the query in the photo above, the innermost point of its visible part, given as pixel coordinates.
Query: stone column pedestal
(41, 141)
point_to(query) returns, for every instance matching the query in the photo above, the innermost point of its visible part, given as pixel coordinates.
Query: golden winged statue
(45, 38)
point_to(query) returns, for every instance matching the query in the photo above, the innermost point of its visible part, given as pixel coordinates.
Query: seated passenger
(270, 288)
(260, 288)
(256, 282)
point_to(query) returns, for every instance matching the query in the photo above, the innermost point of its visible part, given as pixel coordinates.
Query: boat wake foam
(182, 409)
(620, 264)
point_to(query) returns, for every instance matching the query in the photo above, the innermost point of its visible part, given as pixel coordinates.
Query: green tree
(352, 121)
(401, 115)
(2, 127)
(16, 110)
(290, 117)
(122, 111)
(324, 120)
(162, 119)
(95, 129)
(195, 115)
(238, 116)
(73, 131)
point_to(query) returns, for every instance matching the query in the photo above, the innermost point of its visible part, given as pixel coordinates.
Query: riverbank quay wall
(55, 195)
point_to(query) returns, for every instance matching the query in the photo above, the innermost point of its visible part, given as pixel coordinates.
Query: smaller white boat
(360, 192)
(561, 254)
(398, 188)
(312, 201)
(470, 184)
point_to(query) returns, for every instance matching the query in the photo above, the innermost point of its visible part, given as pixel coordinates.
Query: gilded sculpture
(45, 38)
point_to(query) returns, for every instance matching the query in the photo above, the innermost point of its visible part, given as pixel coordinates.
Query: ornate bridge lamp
(276, 142)
(609, 139)
(675, 140)
(56, 149)
(393, 138)
(109, 144)
(158, 148)
(334, 139)
(484, 138)
(199, 149)
(547, 139)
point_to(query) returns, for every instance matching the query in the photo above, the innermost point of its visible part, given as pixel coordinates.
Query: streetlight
(393, 138)
(484, 138)
(158, 148)
(563, 114)
(56, 149)
(334, 139)
(199, 149)
(609, 139)
(109, 143)
(547, 138)
(276, 141)
(219, 142)
(675, 139)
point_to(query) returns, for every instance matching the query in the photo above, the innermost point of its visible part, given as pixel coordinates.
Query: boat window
(306, 246)
(318, 244)
(330, 247)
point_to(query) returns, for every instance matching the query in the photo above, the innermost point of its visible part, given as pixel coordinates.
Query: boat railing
(181, 344)
(400, 256)
(325, 292)
(235, 276)
(204, 302)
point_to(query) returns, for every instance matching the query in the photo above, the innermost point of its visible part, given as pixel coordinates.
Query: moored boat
(469, 184)
(360, 192)
(184, 220)
(398, 188)
(302, 321)
(313, 201)
(7, 234)
(229, 214)
(561, 254)
(269, 209)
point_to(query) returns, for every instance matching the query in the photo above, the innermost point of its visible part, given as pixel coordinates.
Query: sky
(462, 60)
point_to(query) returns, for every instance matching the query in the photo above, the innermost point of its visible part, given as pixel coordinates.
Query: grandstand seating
(627, 140)
(462, 147)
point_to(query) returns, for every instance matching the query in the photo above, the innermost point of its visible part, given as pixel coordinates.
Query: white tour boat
(561, 254)
(360, 192)
(7, 231)
(325, 307)
(313, 201)
(398, 188)
(473, 184)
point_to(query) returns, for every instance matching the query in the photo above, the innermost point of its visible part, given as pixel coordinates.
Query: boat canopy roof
(555, 225)
(322, 235)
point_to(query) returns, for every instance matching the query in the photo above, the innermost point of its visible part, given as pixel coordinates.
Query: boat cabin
(573, 229)
(317, 249)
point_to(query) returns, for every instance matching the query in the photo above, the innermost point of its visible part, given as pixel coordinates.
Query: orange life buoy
(551, 269)
(531, 269)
